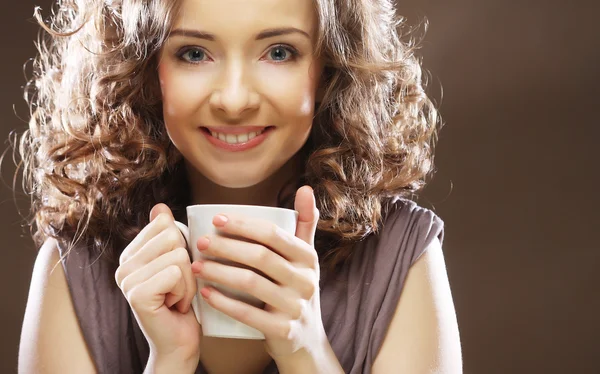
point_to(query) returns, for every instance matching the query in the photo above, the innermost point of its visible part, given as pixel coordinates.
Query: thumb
(158, 209)
(308, 214)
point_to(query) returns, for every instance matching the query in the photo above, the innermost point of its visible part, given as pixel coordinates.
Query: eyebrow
(265, 34)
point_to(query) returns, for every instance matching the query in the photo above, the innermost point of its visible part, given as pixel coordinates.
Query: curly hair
(97, 157)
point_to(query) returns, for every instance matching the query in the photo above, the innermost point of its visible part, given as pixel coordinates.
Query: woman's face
(238, 66)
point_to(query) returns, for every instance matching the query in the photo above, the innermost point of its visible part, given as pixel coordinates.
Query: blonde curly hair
(97, 157)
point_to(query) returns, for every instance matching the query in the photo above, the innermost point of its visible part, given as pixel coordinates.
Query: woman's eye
(281, 53)
(277, 54)
(193, 55)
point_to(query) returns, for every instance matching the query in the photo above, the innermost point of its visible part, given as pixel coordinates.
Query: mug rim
(187, 208)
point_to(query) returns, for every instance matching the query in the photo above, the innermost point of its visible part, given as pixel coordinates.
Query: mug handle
(185, 231)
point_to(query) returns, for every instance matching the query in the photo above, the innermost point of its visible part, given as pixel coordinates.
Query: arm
(423, 335)
(322, 361)
(51, 339)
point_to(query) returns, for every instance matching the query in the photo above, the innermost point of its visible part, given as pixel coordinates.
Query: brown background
(516, 183)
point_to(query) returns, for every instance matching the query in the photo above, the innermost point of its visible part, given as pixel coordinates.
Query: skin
(236, 80)
(235, 77)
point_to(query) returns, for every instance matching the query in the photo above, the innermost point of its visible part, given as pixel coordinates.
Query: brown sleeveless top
(357, 304)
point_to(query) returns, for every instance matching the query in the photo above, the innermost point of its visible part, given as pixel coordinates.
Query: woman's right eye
(193, 55)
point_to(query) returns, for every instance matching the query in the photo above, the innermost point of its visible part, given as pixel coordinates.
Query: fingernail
(197, 267)
(220, 220)
(203, 243)
(205, 292)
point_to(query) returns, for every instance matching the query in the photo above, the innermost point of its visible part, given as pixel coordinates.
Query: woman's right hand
(155, 275)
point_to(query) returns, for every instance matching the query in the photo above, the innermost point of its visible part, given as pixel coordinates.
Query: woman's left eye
(282, 53)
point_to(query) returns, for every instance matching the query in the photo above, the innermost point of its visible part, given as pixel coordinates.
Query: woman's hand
(154, 275)
(291, 320)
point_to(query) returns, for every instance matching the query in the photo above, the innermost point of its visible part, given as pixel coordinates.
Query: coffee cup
(214, 322)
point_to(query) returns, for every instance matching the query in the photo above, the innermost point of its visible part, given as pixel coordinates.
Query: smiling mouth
(235, 138)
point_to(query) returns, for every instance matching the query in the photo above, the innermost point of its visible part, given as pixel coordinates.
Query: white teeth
(231, 138)
(234, 139)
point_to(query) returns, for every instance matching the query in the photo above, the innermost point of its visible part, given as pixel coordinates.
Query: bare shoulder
(51, 339)
(423, 335)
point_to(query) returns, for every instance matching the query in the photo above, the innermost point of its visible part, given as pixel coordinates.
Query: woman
(142, 107)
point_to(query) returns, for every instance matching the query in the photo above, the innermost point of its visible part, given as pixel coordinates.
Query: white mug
(215, 323)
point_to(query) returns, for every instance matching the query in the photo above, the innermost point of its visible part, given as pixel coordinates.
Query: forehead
(246, 15)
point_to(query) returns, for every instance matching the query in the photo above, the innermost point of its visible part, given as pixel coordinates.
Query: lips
(237, 136)
(237, 147)
(236, 130)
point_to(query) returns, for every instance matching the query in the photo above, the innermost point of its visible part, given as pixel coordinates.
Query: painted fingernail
(203, 243)
(220, 220)
(205, 292)
(197, 267)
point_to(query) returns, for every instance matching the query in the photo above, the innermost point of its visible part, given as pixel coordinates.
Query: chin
(235, 180)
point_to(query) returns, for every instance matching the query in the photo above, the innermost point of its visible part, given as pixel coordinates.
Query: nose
(232, 94)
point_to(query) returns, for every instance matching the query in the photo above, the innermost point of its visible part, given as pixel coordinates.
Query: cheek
(181, 92)
(293, 91)
(164, 78)
(168, 83)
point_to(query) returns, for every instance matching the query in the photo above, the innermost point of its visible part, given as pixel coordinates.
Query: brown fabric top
(356, 305)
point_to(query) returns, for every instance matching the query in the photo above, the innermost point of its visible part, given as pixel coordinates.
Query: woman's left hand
(291, 320)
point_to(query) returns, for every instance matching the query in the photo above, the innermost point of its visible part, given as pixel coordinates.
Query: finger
(155, 225)
(272, 325)
(308, 214)
(256, 257)
(160, 223)
(165, 241)
(251, 283)
(178, 257)
(149, 296)
(270, 235)
(158, 209)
